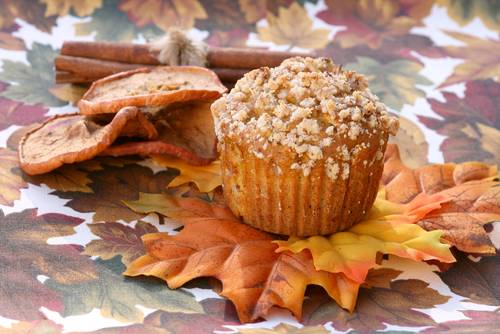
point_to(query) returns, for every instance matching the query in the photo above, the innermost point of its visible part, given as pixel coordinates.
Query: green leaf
(117, 296)
(31, 83)
(393, 82)
(110, 24)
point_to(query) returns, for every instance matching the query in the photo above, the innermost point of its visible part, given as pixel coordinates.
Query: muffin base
(270, 196)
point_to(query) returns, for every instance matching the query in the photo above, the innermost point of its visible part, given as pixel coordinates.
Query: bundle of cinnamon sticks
(85, 62)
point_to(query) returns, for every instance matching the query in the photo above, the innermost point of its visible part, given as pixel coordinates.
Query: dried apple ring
(186, 132)
(66, 139)
(151, 87)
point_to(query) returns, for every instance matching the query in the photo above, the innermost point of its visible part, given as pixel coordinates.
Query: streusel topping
(304, 104)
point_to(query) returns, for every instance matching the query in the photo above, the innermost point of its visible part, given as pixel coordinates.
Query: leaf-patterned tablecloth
(435, 64)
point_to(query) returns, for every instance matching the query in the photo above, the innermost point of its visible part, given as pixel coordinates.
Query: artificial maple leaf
(481, 59)
(176, 207)
(293, 27)
(412, 143)
(164, 14)
(367, 22)
(464, 11)
(402, 184)
(470, 123)
(474, 198)
(476, 281)
(113, 185)
(25, 254)
(253, 275)
(118, 239)
(388, 228)
(206, 178)
(68, 92)
(118, 297)
(11, 181)
(394, 82)
(63, 7)
(387, 301)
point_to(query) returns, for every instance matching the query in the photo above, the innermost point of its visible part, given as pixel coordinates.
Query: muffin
(301, 147)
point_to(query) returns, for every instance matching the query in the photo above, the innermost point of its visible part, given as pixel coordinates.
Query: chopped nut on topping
(306, 105)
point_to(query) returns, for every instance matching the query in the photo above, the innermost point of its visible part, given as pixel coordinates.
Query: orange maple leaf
(471, 187)
(254, 277)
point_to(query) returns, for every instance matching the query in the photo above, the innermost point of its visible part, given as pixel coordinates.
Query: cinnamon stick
(218, 57)
(114, 51)
(92, 68)
(85, 70)
(247, 57)
(69, 77)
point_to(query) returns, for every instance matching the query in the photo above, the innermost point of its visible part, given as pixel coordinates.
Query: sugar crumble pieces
(305, 104)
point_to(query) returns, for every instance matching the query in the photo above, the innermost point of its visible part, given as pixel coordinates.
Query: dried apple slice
(185, 131)
(72, 138)
(151, 87)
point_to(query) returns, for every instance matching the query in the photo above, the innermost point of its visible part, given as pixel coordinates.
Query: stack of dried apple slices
(161, 110)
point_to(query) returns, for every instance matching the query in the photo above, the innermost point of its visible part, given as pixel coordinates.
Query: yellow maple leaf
(68, 92)
(206, 178)
(388, 229)
(63, 7)
(293, 27)
(412, 143)
(481, 59)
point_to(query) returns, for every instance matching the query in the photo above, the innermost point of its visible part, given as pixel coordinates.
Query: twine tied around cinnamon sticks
(85, 62)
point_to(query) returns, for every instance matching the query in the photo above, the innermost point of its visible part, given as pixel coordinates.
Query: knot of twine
(177, 49)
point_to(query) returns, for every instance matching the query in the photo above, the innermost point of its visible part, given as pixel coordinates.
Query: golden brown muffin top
(304, 104)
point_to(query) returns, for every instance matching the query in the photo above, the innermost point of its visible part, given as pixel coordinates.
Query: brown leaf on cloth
(11, 183)
(72, 138)
(151, 87)
(396, 302)
(476, 321)
(476, 281)
(118, 239)
(186, 132)
(475, 198)
(163, 13)
(113, 185)
(9, 42)
(254, 277)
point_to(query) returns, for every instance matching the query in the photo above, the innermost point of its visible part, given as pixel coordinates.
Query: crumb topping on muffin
(305, 104)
